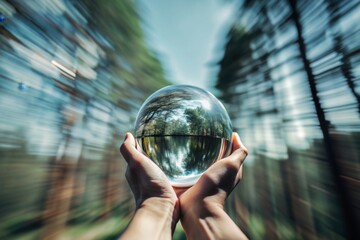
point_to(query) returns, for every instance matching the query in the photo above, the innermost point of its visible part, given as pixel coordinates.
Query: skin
(200, 208)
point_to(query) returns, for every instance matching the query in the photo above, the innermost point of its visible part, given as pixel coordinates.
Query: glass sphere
(184, 130)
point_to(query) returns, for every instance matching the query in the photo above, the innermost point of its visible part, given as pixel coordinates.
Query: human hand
(157, 208)
(202, 205)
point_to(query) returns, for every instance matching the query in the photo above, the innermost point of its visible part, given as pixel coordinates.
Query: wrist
(162, 210)
(155, 218)
(208, 220)
(167, 203)
(195, 218)
(202, 209)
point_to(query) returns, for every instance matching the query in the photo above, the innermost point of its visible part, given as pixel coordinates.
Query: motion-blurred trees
(288, 81)
(129, 58)
(87, 70)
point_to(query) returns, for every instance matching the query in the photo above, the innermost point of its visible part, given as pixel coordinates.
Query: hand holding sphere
(158, 199)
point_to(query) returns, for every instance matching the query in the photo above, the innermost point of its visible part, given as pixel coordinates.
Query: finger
(130, 138)
(237, 143)
(238, 148)
(240, 173)
(234, 161)
(237, 157)
(129, 151)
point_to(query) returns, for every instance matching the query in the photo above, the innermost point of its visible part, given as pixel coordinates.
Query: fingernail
(126, 136)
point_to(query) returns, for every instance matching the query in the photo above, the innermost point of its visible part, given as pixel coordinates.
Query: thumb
(130, 139)
(239, 151)
(128, 148)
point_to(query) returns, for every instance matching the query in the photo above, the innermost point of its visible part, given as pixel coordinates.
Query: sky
(188, 35)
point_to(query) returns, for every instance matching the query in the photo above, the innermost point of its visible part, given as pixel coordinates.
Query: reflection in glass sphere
(183, 129)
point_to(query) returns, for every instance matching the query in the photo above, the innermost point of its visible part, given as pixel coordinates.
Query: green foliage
(178, 127)
(130, 59)
(257, 227)
(196, 119)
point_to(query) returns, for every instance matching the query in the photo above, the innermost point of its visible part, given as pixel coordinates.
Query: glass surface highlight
(183, 129)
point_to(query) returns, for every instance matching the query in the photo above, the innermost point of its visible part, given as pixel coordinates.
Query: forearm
(154, 219)
(211, 223)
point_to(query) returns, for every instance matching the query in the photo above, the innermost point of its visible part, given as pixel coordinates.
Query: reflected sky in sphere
(183, 129)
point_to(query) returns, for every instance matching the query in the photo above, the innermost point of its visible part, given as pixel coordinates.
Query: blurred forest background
(74, 74)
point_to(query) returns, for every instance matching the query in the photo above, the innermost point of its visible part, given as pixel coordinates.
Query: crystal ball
(184, 130)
